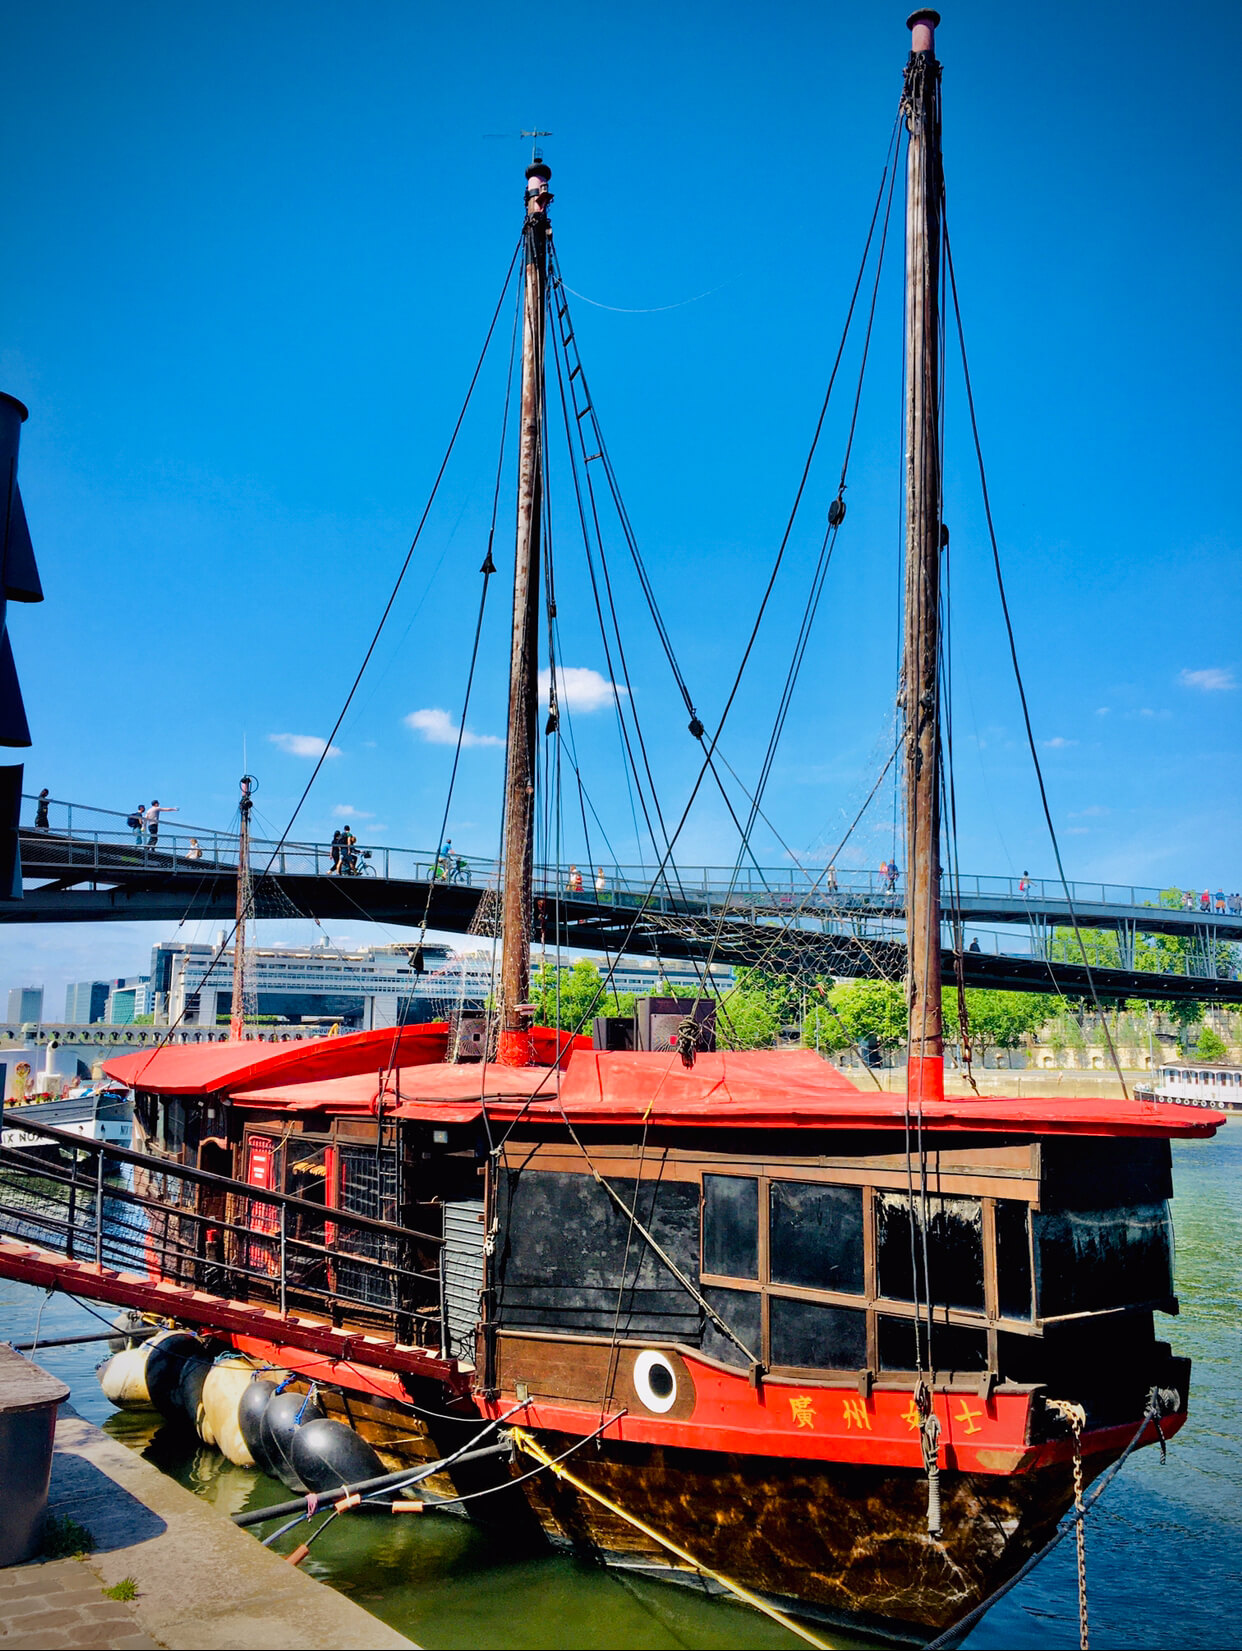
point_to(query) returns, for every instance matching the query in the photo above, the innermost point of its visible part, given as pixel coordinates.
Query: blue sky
(251, 256)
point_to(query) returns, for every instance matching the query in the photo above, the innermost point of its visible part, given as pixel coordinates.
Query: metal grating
(463, 1274)
(369, 1187)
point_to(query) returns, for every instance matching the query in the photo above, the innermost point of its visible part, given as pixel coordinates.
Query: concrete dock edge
(203, 1585)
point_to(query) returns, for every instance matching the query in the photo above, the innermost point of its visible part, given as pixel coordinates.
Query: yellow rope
(529, 1445)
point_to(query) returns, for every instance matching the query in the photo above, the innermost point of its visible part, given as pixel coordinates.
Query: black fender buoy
(188, 1395)
(283, 1416)
(166, 1366)
(327, 1455)
(250, 1411)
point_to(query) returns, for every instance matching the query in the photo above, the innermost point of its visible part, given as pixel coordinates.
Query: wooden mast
(920, 691)
(237, 1011)
(515, 1046)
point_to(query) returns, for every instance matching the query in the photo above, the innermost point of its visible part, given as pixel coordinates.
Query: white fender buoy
(219, 1424)
(123, 1378)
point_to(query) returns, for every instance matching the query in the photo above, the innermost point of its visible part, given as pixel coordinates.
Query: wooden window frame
(869, 1300)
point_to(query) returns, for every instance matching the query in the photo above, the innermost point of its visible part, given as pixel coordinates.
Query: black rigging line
(388, 606)
(837, 514)
(1013, 655)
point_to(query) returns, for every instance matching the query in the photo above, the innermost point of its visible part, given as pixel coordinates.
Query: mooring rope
(1159, 1402)
(525, 1442)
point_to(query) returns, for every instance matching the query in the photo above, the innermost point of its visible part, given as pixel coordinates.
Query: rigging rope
(1013, 654)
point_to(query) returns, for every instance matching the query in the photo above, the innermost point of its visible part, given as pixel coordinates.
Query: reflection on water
(1164, 1551)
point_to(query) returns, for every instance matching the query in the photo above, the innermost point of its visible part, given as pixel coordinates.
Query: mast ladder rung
(574, 371)
(587, 409)
(591, 456)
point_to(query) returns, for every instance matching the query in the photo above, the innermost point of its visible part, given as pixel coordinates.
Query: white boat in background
(102, 1112)
(1196, 1083)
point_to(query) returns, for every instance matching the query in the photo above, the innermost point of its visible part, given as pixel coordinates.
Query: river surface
(1164, 1548)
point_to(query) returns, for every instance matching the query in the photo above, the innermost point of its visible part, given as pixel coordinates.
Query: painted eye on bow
(655, 1382)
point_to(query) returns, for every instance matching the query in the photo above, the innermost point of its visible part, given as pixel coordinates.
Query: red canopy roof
(207, 1068)
(745, 1089)
(202, 1068)
(439, 1093)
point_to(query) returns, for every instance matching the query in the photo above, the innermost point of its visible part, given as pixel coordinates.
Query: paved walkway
(61, 1603)
(203, 1585)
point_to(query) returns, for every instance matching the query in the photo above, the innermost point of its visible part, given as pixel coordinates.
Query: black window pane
(810, 1336)
(816, 1236)
(740, 1310)
(1087, 1260)
(953, 1346)
(731, 1226)
(954, 1246)
(1013, 1258)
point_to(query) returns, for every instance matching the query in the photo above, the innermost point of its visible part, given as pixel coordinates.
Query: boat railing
(141, 1214)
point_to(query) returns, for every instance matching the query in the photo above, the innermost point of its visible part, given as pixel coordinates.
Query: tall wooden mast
(515, 1047)
(921, 662)
(237, 1011)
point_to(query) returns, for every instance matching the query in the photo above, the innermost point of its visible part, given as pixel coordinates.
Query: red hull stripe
(829, 1424)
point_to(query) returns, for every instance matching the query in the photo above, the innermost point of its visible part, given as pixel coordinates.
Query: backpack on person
(133, 821)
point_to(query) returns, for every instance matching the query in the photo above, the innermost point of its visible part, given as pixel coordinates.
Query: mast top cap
(539, 169)
(922, 25)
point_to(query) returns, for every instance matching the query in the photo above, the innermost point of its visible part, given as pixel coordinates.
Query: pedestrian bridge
(87, 866)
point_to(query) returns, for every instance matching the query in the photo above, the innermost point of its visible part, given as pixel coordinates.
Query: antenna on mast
(536, 153)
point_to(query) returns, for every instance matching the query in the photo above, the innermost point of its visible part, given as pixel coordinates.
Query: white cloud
(438, 728)
(1091, 812)
(1058, 742)
(578, 688)
(1213, 680)
(347, 811)
(1102, 710)
(304, 745)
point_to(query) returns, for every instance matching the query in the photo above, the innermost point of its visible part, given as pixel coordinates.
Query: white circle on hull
(655, 1382)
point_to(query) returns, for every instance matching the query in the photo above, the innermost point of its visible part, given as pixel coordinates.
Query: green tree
(1186, 1015)
(997, 1020)
(571, 998)
(1211, 1046)
(872, 1010)
(754, 1009)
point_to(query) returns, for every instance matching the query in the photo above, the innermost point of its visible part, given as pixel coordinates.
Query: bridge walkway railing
(84, 838)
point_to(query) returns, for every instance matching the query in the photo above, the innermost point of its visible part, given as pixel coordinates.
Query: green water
(1164, 1547)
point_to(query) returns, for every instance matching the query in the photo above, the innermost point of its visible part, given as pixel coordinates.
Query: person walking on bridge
(153, 819)
(137, 822)
(41, 819)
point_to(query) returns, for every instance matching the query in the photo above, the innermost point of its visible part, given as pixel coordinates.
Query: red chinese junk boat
(759, 1327)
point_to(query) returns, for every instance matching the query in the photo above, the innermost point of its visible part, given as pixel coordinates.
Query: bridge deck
(783, 917)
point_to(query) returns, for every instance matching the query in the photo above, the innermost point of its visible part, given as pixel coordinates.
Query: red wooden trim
(833, 1422)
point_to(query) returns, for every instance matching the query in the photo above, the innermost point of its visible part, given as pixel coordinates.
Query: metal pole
(99, 1204)
(515, 1046)
(920, 690)
(237, 1013)
(284, 1212)
(73, 1205)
